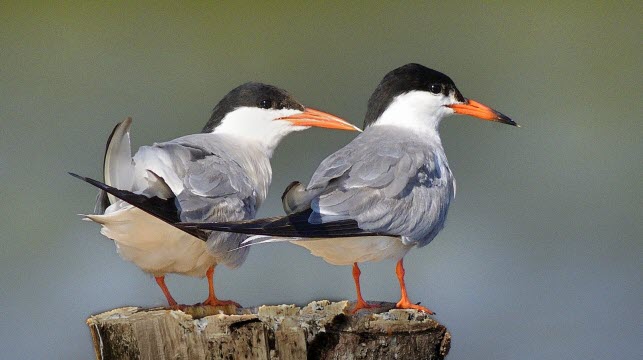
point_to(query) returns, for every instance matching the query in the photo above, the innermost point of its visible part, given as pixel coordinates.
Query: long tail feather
(290, 226)
(163, 209)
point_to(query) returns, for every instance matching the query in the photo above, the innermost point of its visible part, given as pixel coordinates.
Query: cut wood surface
(320, 330)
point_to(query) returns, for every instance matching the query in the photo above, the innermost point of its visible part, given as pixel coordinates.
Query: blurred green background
(541, 256)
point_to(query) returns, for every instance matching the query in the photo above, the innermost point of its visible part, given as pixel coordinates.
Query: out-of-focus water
(541, 257)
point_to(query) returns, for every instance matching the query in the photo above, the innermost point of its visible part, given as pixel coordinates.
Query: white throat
(258, 126)
(419, 111)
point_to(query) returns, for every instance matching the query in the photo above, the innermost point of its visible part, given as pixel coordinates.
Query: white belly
(154, 246)
(346, 251)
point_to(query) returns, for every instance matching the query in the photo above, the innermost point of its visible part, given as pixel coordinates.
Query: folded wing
(378, 184)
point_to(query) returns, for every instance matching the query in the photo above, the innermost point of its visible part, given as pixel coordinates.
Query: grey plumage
(294, 198)
(208, 176)
(212, 180)
(401, 186)
(221, 174)
(385, 192)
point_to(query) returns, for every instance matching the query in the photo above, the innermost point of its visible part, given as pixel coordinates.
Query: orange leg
(404, 303)
(160, 280)
(212, 298)
(361, 304)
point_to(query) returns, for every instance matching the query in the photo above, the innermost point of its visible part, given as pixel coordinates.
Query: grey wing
(216, 189)
(297, 197)
(209, 187)
(387, 185)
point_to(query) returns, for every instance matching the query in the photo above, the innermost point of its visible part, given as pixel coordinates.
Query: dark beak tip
(506, 120)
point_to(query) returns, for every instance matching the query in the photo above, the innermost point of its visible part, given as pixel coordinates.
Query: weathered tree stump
(320, 330)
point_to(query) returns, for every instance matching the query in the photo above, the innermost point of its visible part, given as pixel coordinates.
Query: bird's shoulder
(376, 157)
(199, 168)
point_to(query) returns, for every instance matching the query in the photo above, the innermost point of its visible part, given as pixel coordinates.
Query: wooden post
(320, 330)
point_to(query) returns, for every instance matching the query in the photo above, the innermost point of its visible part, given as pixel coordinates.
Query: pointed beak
(312, 117)
(474, 108)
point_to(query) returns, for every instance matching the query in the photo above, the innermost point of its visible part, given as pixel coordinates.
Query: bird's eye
(435, 88)
(265, 104)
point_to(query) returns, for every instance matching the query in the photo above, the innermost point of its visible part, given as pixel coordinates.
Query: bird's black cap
(404, 79)
(251, 94)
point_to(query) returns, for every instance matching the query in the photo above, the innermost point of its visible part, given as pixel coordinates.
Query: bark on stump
(320, 330)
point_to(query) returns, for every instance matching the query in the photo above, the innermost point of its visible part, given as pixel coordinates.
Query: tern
(384, 193)
(220, 174)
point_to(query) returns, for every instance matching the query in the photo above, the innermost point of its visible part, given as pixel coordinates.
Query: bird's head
(416, 96)
(265, 114)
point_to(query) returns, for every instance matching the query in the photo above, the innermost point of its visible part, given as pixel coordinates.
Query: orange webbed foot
(405, 304)
(361, 304)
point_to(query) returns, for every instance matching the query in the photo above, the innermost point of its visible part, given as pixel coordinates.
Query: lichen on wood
(320, 330)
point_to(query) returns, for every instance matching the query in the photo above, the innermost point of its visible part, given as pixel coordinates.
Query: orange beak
(474, 108)
(312, 117)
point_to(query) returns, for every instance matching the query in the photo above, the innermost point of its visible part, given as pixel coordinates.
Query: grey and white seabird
(384, 193)
(220, 174)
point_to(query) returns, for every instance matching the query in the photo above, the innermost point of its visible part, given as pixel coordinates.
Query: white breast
(346, 251)
(154, 246)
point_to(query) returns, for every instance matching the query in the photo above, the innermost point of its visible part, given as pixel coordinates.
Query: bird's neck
(416, 112)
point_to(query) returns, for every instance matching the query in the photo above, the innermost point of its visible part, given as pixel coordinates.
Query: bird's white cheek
(287, 126)
(416, 110)
(259, 127)
(255, 122)
(447, 111)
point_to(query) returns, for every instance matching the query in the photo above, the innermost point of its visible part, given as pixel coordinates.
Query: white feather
(246, 138)
(261, 239)
(346, 251)
(258, 126)
(343, 251)
(420, 111)
(151, 244)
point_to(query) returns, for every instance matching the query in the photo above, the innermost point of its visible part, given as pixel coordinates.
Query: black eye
(435, 88)
(265, 104)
